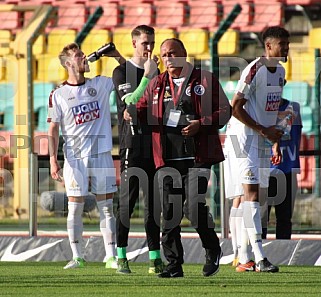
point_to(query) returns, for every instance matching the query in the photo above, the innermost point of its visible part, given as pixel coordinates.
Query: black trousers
(183, 187)
(137, 173)
(283, 202)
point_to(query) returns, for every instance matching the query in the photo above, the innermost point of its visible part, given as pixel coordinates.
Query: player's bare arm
(53, 135)
(238, 111)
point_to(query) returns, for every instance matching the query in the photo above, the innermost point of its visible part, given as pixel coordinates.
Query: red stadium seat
(205, 14)
(246, 17)
(301, 2)
(135, 13)
(170, 14)
(71, 16)
(267, 15)
(111, 16)
(10, 20)
(307, 177)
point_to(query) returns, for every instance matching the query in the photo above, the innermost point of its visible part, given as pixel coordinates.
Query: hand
(272, 133)
(127, 116)
(191, 129)
(55, 170)
(150, 66)
(276, 154)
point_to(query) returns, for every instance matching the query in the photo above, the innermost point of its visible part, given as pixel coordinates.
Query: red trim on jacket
(213, 110)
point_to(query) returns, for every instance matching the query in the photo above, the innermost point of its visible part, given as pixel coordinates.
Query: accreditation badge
(173, 118)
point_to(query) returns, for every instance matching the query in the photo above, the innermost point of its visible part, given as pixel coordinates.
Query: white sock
(254, 228)
(75, 228)
(244, 254)
(238, 225)
(108, 226)
(233, 230)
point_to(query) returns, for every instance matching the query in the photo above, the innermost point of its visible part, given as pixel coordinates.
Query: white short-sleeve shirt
(83, 113)
(263, 90)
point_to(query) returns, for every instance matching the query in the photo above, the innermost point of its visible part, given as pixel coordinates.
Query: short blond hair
(66, 53)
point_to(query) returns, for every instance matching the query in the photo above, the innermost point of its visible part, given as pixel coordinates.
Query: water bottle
(286, 123)
(104, 50)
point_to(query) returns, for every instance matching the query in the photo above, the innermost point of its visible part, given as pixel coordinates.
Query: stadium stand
(58, 38)
(111, 16)
(314, 38)
(229, 88)
(47, 63)
(70, 16)
(229, 43)
(39, 46)
(94, 40)
(303, 66)
(137, 13)
(123, 41)
(306, 179)
(41, 91)
(267, 15)
(160, 35)
(10, 20)
(205, 14)
(297, 91)
(2, 69)
(5, 38)
(8, 122)
(171, 14)
(307, 120)
(41, 119)
(301, 2)
(244, 21)
(7, 93)
(48, 71)
(196, 41)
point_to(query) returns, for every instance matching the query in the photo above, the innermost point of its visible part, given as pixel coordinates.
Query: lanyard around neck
(177, 96)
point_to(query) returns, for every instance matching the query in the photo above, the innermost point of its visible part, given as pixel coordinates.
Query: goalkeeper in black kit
(135, 151)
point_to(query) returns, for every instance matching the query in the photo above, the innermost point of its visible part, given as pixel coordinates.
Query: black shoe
(170, 272)
(212, 264)
(265, 266)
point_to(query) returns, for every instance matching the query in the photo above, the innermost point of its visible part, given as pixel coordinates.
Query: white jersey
(84, 115)
(263, 90)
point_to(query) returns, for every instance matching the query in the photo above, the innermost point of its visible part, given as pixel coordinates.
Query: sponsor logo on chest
(86, 112)
(273, 101)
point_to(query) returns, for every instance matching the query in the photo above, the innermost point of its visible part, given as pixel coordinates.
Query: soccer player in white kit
(251, 132)
(80, 107)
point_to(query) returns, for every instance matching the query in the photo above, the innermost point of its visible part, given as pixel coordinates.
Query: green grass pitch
(49, 279)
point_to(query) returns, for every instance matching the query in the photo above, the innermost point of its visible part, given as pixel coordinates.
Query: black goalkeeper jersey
(126, 78)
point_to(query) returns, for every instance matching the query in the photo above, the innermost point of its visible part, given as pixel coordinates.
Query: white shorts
(246, 166)
(98, 169)
(232, 179)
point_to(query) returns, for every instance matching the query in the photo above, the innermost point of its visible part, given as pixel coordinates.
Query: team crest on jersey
(249, 175)
(87, 112)
(273, 101)
(188, 91)
(199, 90)
(92, 92)
(167, 95)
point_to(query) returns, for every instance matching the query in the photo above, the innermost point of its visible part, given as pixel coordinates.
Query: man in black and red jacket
(185, 107)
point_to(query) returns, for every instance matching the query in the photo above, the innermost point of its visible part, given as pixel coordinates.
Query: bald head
(173, 54)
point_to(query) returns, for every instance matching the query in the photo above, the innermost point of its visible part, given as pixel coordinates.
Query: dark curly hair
(275, 32)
